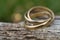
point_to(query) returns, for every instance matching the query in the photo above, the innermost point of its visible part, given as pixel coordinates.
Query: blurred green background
(8, 7)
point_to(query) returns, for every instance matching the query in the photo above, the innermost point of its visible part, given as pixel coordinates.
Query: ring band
(38, 11)
(37, 15)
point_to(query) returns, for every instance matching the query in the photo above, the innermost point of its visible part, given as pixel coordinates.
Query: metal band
(42, 11)
(37, 14)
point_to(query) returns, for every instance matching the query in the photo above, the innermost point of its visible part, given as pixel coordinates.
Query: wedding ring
(37, 14)
(38, 11)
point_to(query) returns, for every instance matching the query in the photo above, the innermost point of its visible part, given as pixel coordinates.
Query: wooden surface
(11, 31)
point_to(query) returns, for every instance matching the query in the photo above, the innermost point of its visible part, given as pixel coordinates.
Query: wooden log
(11, 31)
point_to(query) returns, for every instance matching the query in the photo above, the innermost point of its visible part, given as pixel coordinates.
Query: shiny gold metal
(37, 15)
(38, 11)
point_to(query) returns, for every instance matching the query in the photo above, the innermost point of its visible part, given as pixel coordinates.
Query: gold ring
(37, 12)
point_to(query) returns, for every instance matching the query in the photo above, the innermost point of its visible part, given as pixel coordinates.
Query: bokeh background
(9, 7)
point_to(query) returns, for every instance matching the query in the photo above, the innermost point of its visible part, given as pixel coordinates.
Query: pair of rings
(38, 16)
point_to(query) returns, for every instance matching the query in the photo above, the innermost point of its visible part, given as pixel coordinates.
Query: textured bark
(12, 31)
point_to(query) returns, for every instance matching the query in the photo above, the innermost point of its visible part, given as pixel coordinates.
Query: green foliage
(8, 7)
